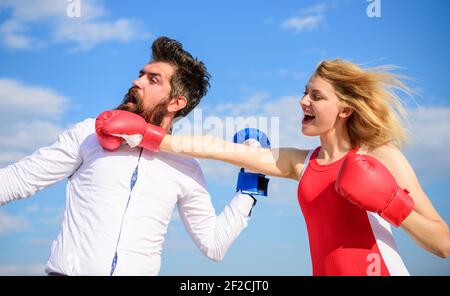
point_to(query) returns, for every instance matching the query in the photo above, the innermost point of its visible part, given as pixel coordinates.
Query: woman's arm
(281, 162)
(115, 124)
(424, 224)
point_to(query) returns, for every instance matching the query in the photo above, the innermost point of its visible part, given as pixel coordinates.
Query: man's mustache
(132, 95)
(132, 102)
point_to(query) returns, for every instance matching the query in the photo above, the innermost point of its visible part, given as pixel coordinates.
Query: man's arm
(213, 234)
(43, 168)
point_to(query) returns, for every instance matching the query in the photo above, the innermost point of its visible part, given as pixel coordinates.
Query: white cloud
(242, 108)
(283, 191)
(300, 24)
(26, 118)
(17, 98)
(308, 19)
(321, 53)
(34, 208)
(282, 72)
(29, 135)
(29, 10)
(22, 270)
(51, 17)
(430, 139)
(13, 35)
(319, 8)
(89, 34)
(12, 223)
(219, 171)
(54, 217)
(38, 242)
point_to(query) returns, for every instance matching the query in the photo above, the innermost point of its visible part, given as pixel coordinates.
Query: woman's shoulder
(298, 155)
(392, 158)
(386, 152)
(297, 159)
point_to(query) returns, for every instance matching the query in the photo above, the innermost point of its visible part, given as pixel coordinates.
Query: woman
(356, 183)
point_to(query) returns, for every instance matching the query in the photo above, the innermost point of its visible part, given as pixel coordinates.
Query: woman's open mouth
(308, 117)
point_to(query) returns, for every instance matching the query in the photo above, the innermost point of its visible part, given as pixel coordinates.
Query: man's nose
(137, 83)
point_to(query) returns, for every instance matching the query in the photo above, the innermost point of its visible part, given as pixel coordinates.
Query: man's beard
(133, 103)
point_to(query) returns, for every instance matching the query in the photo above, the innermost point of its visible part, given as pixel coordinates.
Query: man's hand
(364, 181)
(115, 126)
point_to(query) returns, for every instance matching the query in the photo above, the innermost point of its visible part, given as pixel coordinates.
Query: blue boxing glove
(253, 184)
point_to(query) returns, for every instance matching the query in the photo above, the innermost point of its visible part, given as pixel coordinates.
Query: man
(120, 201)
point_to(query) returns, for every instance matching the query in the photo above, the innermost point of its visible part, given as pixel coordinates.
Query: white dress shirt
(113, 225)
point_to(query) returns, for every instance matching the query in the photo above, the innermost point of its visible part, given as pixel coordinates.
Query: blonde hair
(378, 114)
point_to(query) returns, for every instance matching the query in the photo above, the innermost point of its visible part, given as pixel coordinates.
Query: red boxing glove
(106, 141)
(364, 181)
(131, 127)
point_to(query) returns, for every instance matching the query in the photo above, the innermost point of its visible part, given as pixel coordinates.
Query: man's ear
(177, 103)
(346, 112)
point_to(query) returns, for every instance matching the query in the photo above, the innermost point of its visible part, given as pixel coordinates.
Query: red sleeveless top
(344, 239)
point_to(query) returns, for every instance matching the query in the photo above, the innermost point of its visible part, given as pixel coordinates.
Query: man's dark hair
(190, 79)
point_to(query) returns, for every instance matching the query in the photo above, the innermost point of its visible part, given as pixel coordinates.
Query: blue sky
(56, 71)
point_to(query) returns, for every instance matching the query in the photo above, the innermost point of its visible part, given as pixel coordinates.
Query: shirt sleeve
(43, 168)
(213, 234)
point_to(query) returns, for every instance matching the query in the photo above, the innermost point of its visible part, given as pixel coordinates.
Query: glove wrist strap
(252, 183)
(399, 208)
(152, 137)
